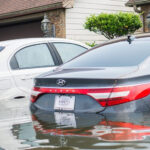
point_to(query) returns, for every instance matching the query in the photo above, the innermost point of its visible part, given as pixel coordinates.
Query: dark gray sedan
(113, 77)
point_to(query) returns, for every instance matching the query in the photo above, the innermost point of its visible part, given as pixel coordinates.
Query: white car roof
(19, 42)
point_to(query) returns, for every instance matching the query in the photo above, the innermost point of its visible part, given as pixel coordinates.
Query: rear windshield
(113, 55)
(1, 48)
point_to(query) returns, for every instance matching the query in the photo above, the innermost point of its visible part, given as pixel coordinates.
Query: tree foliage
(113, 25)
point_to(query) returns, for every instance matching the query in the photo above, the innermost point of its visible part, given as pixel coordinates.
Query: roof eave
(64, 4)
(129, 4)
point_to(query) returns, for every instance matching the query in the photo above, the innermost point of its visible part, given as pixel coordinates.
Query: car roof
(19, 42)
(137, 37)
(141, 36)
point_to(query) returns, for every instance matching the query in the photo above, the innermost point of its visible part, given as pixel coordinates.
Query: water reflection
(85, 131)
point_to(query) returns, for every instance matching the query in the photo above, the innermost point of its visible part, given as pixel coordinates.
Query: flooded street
(19, 129)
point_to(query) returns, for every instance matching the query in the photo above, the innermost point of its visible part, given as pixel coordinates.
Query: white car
(23, 59)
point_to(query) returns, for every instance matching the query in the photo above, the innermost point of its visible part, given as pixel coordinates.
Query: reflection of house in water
(85, 131)
(25, 133)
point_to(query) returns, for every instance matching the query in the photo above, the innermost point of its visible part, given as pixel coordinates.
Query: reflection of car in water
(122, 131)
(98, 126)
(86, 131)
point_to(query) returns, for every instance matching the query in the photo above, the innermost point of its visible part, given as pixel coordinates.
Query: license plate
(65, 120)
(63, 102)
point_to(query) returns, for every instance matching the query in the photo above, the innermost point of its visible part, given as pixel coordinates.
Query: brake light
(109, 95)
(34, 95)
(121, 95)
(104, 96)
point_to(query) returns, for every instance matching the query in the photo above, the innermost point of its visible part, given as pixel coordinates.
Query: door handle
(27, 77)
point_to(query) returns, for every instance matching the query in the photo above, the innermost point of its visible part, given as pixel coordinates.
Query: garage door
(21, 30)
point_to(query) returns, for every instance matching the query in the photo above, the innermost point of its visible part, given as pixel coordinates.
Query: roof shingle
(7, 6)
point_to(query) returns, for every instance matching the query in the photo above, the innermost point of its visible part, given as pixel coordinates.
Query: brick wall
(146, 10)
(57, 17)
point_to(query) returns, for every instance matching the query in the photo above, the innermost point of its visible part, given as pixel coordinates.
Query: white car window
(68, 51)
(34, 56)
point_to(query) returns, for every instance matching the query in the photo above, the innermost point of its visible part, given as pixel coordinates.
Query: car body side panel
(7, 84)
(24, 79)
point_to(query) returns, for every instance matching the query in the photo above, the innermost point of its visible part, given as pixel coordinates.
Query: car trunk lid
(84, 78)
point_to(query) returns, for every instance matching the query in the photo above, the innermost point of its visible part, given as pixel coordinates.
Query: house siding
(76, 16)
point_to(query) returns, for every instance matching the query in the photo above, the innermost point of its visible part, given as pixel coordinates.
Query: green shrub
(113, 25)
(91, 44)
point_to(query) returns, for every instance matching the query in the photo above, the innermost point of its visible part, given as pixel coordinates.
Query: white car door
(30, 62)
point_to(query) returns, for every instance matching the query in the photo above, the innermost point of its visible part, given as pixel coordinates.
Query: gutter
(143, 2)
(134, 5)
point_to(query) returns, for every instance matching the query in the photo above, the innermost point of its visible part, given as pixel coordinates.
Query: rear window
(1, 48)
(113, 55)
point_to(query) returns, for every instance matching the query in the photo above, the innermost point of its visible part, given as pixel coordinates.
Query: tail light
(35, 94)
(104, 96)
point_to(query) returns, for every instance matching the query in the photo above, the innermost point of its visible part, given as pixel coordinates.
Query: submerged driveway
(19, 129)
(12, 111)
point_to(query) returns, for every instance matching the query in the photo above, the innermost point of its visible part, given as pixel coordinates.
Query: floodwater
(19, 129)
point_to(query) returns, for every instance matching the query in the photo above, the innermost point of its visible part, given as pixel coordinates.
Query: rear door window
(34, 56)
(67, 51)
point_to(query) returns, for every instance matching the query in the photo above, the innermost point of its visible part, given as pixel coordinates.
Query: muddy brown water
(19, 129)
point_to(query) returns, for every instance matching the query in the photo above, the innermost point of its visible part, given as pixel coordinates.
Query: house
(143, 7)
(22, 18)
